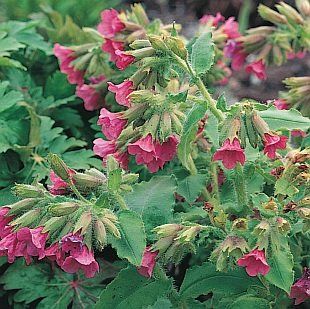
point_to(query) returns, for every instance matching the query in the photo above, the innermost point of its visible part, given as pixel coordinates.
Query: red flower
(281, 104)
(112, 125)
(272, 143)
(65, 57)
(90, 96)
(214, 20)
(110, 24)
(254, 263)
(110, 47)
(59, 186)
(148, 263)
(122, 91)
(230, 153)
(231, 28)
(123, 60)
(299, 55)
(258, 69)
(300, 290)
(298, 133)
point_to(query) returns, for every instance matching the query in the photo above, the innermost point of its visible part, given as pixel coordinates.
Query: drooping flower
(167, 150)
(110, 47)
(257, 68)
(213, 20)
(255, 263)
(8, 246)
(300, 290)
(231, 28)
(235, 52)
(110, 23)
(4, 221)
(122, 158)
(91, 97)
(230, 153)
(272, 142)
(65, 57)
(112, 124)
(59, 186)
(123, 60)
(148, 263)
(104, 148)
(122, 91)
(281, 104)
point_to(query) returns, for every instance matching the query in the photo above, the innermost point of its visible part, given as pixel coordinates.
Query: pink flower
(254, 263)
(235, 51)
(8, 246)
(272, 143)
(59, 186)
(300, 290)
(104, 148)
(152, 153)
(214, 20)
(90, 96)
(293, 55)
(122, 158)
(112, 124)
(122, 91)
(65, 57)
(4, 221)
(72, 255)
(97, 79)
(110, 23)
(148, 263)
(298, 133)
(231, 28)
(110, 47)
(281, 104)
(123, 60)
(227, 73)
(31, 242)
(230, 153)
(257, 68)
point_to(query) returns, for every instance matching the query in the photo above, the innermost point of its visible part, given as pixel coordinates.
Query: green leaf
(204, 279)
(202, 56)
(281, 262)
(153, 200)
(285, 119)
(249, 301)
(222, 104)
(133, 240)
(190, 127)
(131, 290)
(191, 187)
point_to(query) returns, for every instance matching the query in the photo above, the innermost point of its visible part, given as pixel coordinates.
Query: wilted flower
(254, 263)
(258, 69)
(148, 263)
(122, 91)
(110, 23)
(300, 290)
(272, 142)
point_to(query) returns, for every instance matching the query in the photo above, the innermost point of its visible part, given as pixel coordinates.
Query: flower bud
(83, 223)
(176, 124)
(86, 181)
(54, 224)
(81, 63)
(304, 213)
(142, 52)
(189, 234)
(165, 128)
(250, 129)
(111, 227)
(64, 208)
(27, 218)
(167, 229)
(277, 55)
(107, 213)
(177, 46)
(158, 43)
(112, 164)
(22, 205)
(29, 191)
(270, 15)
(290, 13)
(137, 44)
(94, 172)
(259, 124)
(240, 224)
(59, 167)
(138, 77)
(262, 30)
(100, 234)
(163, 244)
(139, 13)
(130, 178)
(303, 7)
(283, 225)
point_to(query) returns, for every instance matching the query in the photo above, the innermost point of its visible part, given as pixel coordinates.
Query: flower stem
(77, 192)
(215, 183)
(239, 185)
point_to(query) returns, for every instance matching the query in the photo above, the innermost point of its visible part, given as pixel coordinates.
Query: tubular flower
(258, 69)
(123, 60)
(281, 104)
(300, 290)
(254, 263)
(110, 47)
(230, 153)
(214, 20)
(59, 186)
(90, 96)
(4, 221)
(148, 263)
(272, 143)
(122, 91)
(110, 23)
(230, 28)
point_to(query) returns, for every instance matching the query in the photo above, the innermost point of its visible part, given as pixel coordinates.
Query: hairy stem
(240, 187)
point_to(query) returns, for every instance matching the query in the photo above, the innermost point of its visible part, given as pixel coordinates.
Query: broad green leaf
(281, 262)
(285, 119)
(189, 133)
(285, 186)
(249, 301)
(191, 187)
(131, 290)
(8, 98)
(153, 200)
(133, 240)
(205, 279)
(161, 303)
(202, 56)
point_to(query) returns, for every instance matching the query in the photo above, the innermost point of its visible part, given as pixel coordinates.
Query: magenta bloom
(8, 246)
(122, 158)
(272, 143)
(231, 28)
(110, 47)
(65, 58)
(234, 51)
(281, 104)
(148, 263)
(123, 60)
(298, 55)
(112, 124)
(230, 153)
(300, 290)
(298, 133)
(104, 148)
(258, 69)
(213, 20)
(90, 96)
(122, 91)
(59, 186)
(110, 23)
(254, 263)
(4, 221)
